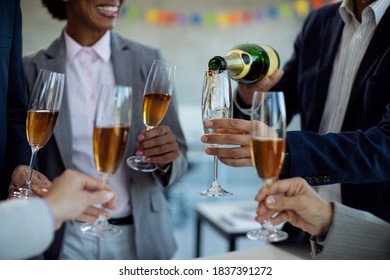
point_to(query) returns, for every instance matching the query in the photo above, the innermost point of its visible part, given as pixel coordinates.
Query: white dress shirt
(86, 69)
(354, 42)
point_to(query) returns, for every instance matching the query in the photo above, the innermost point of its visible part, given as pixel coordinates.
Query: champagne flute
(157, 95)
(216, 103)
(268, 143)
(42, 115)
(110, 136)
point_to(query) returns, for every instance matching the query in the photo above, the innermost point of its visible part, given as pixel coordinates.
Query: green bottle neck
(231, 62)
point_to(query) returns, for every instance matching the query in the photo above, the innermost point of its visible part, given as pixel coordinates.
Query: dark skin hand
(158, 145)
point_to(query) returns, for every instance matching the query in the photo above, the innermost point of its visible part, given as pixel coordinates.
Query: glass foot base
(269, 235)
(137, 163)
(215, 190)
(21, 193)
(100, 230)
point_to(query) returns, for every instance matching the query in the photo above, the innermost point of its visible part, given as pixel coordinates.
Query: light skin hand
(72, 192)
(296, 203)
(40, 183)
(158, 145)
(91, 213)
(229, 132)
(245, 91)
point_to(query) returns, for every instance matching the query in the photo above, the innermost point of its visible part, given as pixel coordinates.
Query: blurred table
(267, 252)
(231, 219)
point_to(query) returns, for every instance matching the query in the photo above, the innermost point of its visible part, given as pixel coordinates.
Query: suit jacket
(14, 149)
(356, 234)
(131, 63)
(359, 156)
(27, 228)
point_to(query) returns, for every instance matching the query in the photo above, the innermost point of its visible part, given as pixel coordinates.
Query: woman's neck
(84, 37)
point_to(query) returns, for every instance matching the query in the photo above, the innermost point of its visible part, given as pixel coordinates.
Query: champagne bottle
(247, 63)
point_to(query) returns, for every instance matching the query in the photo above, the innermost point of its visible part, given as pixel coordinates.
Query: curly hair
(56, 8)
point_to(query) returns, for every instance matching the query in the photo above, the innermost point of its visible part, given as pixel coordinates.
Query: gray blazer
(27, 228)
(356, 234)
(153, 232)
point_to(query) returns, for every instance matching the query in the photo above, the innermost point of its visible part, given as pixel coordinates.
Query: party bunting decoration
(282, 11)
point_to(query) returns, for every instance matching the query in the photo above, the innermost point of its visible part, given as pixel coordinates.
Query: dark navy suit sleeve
(350, 157)
(16, 150)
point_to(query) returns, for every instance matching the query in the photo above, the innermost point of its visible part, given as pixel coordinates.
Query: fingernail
(271, 200)
(207, 151)
(141, 137)
(203, 139)
(107, 195)
(209, 123)
(139, 153)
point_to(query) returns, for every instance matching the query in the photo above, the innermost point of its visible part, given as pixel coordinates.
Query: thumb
(100, 197)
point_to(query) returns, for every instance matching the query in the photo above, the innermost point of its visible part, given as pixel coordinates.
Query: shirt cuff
(164, 170)
(315, 246)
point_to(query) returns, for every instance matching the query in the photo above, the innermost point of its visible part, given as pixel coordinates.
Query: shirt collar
(102, 47)
(378, 7)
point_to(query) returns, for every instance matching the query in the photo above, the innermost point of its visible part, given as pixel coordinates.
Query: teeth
(108, 9)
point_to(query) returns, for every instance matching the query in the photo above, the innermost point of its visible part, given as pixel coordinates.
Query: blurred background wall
(188, 32)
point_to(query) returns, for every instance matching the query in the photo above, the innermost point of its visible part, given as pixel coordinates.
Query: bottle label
(274, 61)
(246, 66)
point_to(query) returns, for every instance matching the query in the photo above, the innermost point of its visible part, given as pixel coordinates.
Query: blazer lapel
(126, 70)
(63, 133)
(327, 54)
(380, 44)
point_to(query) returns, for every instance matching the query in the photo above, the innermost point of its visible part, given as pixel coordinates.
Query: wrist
(51, 208)
(244, 102)
(241, 107)
(328, 219)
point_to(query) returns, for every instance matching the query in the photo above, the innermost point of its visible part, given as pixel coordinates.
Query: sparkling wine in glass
(42, 115)
(216, 103)
(268, 143)
(157, 95)
(110, 136)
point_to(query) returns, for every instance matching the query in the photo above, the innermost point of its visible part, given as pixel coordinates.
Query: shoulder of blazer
(123, 49)
(52, 51)
(327, 11)
(120, 43)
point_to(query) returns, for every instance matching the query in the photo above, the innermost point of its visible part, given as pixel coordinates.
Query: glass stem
(147, 128)
(30, 168)
(215, 169)
(267, 222)
(105, 183)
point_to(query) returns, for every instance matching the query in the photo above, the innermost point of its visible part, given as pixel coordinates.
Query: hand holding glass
(216, 103)
(268, 142)
(110, 136)
(42, 115)
(157, 95)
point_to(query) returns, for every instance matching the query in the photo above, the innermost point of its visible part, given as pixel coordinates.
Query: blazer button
(319, 180)
(327, 179)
